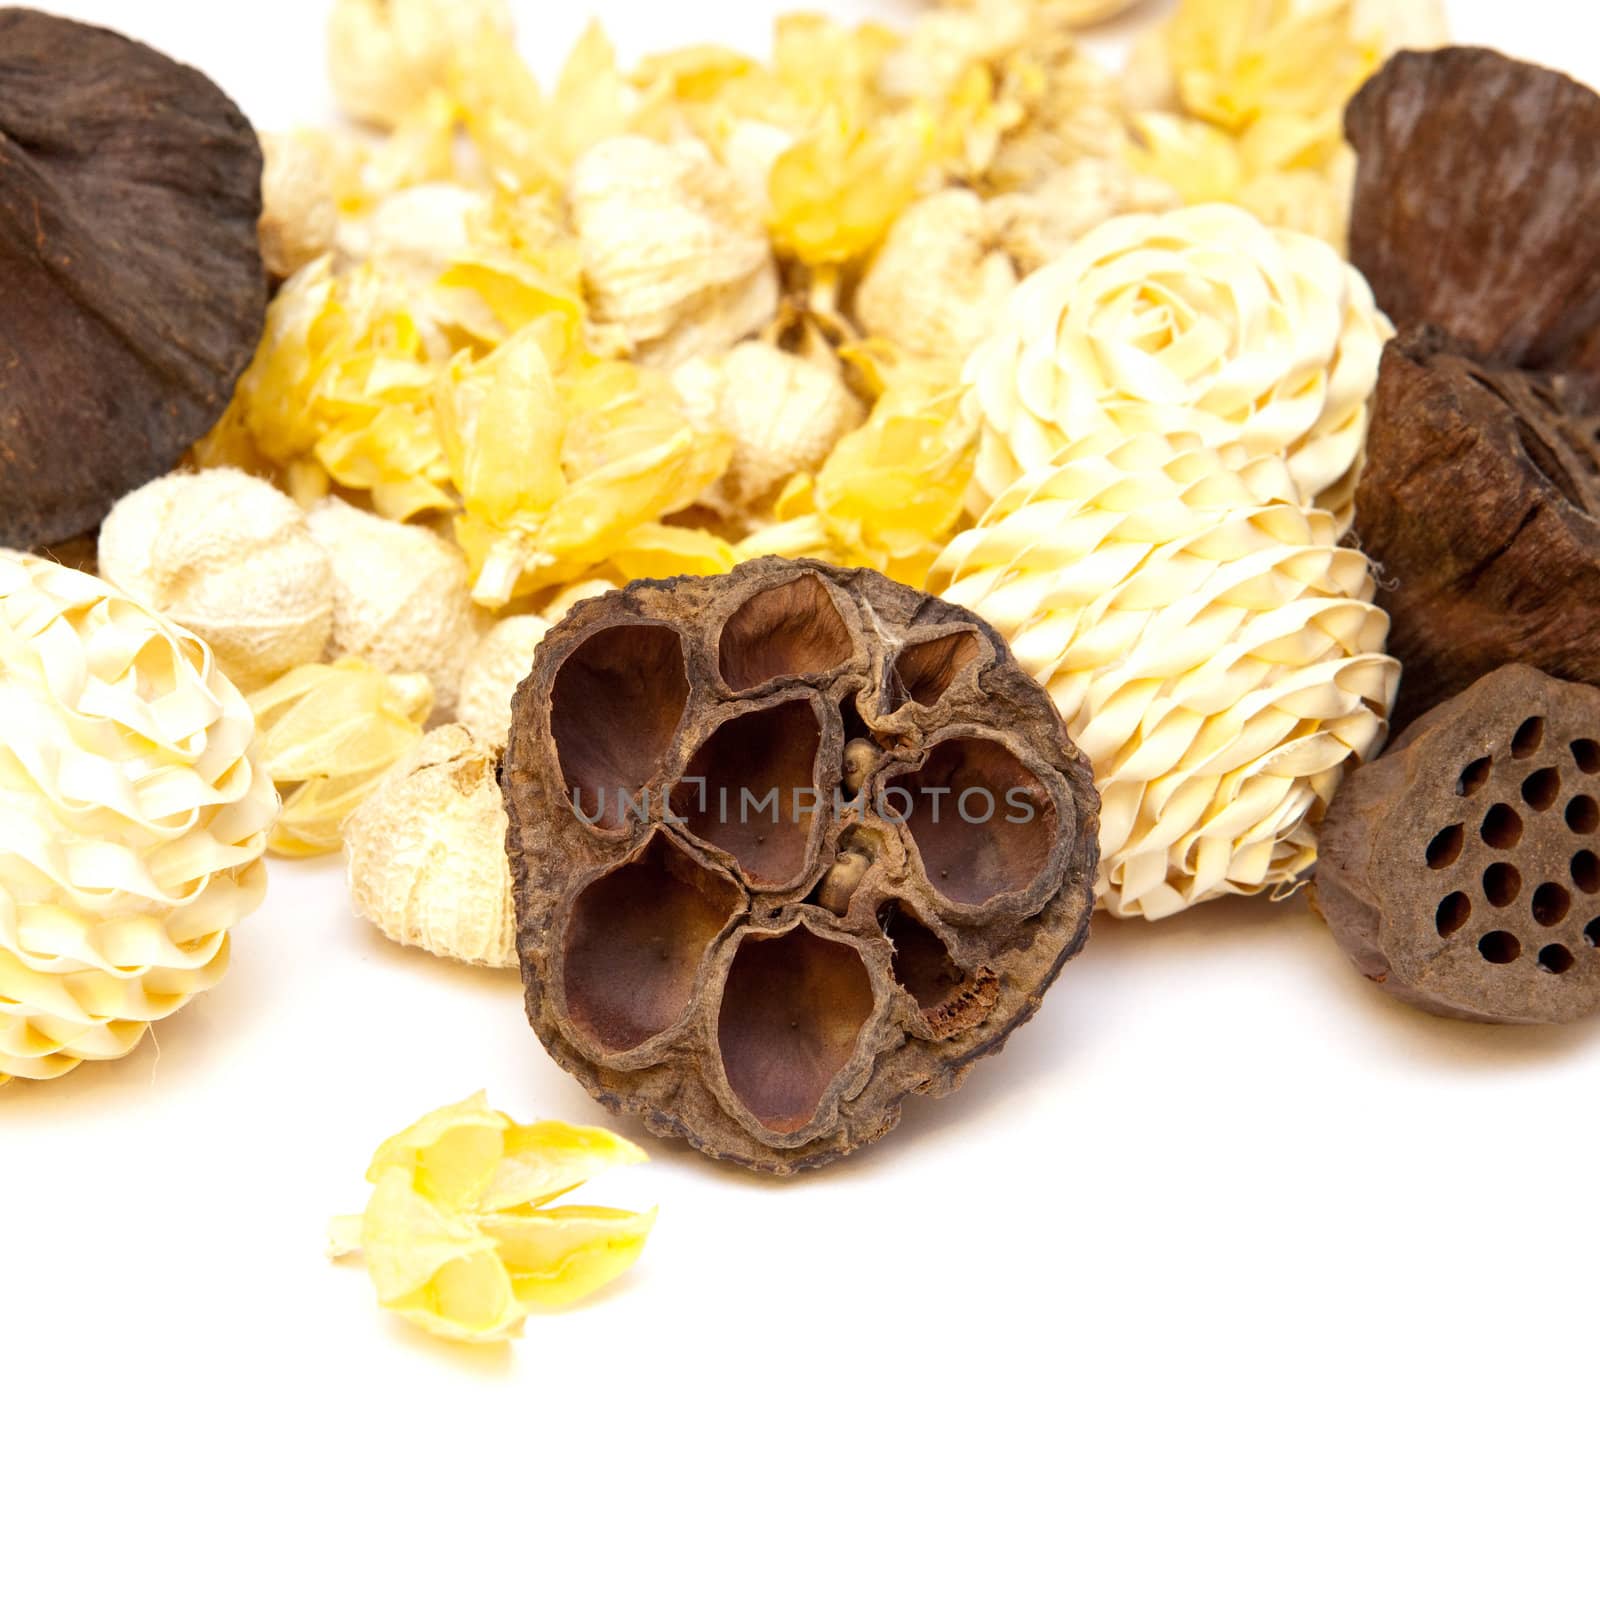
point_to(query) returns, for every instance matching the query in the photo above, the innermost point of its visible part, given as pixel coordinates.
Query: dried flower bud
(427, 853)
(328, 734)
(401, 600)
(229, 558)
(1035, 227)
(502, 659)
(784, 414)
(299, 216)
(135, 818)
(941, 284)
(461, 1235)
(674, 249)
(1213, 649)
(385, 55)
(1201, 321)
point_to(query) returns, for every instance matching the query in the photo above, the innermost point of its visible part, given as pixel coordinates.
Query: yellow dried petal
(542, 1161)
(327, 735)
(434, 1267)
(836, 192)
(563, 1255)
(459, 1236)
(451, 1156)
(1236, 60)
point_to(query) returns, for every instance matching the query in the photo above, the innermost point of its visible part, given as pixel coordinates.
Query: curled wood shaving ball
(427, 852)
(783, 414)
(675, 252)
(299, 214)
(229, 558)
(133, 816)
(1214, 651)
(385, 55)
(1200, 321)
(328, 734)
(788, 846)
(401, 597)
(1460, 873)
(502, 659)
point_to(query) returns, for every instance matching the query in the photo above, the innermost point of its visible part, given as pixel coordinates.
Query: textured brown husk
(1477, 203)
(713, 1071)
(1481, 824)
(1481, 505)
(133, 290)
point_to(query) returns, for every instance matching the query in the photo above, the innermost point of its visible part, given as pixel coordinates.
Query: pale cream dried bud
(402, 601)
(941, 284)
(299, 215)
(1035, 227)
(385, 55)
(229, 558)
(675, 249)
(417, 232)
(784, 414)
(427, 853)
(494, 670)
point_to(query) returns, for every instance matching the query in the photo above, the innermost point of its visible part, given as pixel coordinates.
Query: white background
(1229, 1279)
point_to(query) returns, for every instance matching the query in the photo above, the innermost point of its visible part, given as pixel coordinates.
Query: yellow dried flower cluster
(1243, 100)
(662, 319)
(461, 1236)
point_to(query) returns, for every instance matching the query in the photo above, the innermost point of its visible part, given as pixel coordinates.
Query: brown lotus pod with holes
(132, 293)
(788, 846)
(1477, 203)
(1481, 505)
(1462, 870)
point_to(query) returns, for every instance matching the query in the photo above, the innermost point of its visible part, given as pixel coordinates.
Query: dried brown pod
(788, 845)
(134, 294)
(1481, 503)
(1462, 870)
(1477, 203)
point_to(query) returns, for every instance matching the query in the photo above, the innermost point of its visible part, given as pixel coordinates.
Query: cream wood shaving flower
(1212, 648)
(299, 214)
(328, 734)
(462, 1236)
(133, 816)
(427, 853)
(385, 55)
(401, 596)
(674, 249)
(495, 669)
(783, 413)
(1201, 321)
(229, 558)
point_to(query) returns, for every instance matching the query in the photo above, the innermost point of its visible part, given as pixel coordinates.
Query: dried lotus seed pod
(1477, 203)
(1481, 503)
(134, 294)
(714, 934)
(228, 557)
(501, 660)
(1461, 871)
(427, 853)
(401, 597)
